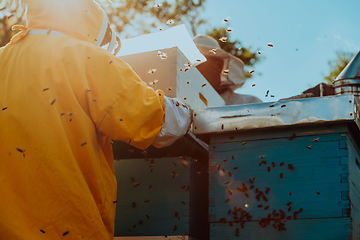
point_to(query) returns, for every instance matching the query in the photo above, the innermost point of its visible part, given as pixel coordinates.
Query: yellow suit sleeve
(121, 105)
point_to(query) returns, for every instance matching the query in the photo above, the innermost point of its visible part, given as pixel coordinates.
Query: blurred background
(312, 41)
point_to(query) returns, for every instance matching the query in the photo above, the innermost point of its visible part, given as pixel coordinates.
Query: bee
(4, 108)
(290, 193)
(239, 189)
(266, 207)
(272, 95)
(281, 164)
(229, 212)
(242, 224)
(244, 187)
(230, 174)
(227, 200)
(228, 29)
(170, 21)
(52, 102)
(186, 69)
(265, 198)
(230, 192)
(237, 232)
(226, 71)
(136, 184)
(289, 209)
(273, 164)
(281, 175)
(20, 150)
(251, 187)
(260, 206)
(147, 216)
(251, 71)
(289, 203)
(232, 157)
(94, 99)
(45, 89)
(110, 62)
(259, 52)
(213, 51)
(153, 82)
(316, 139)
(140, 222)
(65, 233)
(134, 226)
(267, 190)
(147, 200)
(183, 187)
(203, 85)
(243, 143)
(223, 170)
(157, 5)
(226, 20)
(282, 106)
(270, 45)
(246, 194)
(150, 186)
(272, 105)
(223, 39)
(152, 70)
(290, 166)
(256, 190)
(251, 181)
(308, 147)
(225, 160)
(253, 85)
(300, 210)
(132, 179)
(82, 144)
(184, 98)
(268, 169)
(133, 205)
(222, 126)
(42, 231)
(183, 202)
(267, 93)
(317, 192)
(173, 174)
(227, 182)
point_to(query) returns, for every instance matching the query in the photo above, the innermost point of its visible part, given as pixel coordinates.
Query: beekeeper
(62, 99)
(223, 71)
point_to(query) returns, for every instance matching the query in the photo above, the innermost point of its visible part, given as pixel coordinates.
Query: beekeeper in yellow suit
(62, 99)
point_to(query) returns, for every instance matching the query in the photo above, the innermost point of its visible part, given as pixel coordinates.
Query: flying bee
(82, 144)
(230, 192)
(268, 169)
(227, 182)
(157, 5)
(316, 139)
(225, 160)
(147, 200)
(243, 143)
(225, 71)
(281, 175)
(259, 52)
(253, 85)
(52, 102)
(170, 21)
(226, 20)
(213, 51)
(223, 39)
(136, 184)
(203, 85)
(230, 174)
(281, 164)
(228, 29)
(153, 82)
(227, 200)
(270, 45)
(251, 71)
(273, 164)
(308, 147)
(152, 70)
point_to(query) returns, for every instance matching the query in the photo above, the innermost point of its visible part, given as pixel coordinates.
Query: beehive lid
(277, 114)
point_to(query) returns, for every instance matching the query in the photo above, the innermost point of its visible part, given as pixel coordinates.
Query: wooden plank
(354, 185)
(170, 206)
(309, 229)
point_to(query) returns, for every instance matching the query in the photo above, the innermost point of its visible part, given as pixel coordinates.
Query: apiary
(284, 170)
(169, 70)
(162, 192)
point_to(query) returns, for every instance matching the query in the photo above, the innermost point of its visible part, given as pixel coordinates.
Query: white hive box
(174, 77)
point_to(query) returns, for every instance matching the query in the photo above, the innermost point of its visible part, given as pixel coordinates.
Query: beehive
(298, 180)
(163, 191)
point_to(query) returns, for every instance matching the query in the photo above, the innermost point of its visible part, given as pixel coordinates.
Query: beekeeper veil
(81, 19)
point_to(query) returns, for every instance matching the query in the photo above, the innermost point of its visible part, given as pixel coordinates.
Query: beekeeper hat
(209, 47)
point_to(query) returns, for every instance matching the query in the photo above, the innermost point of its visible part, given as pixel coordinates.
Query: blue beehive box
(162, 192)
(287, 170)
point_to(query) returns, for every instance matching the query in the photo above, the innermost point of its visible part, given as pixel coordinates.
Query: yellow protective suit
(61, 101)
